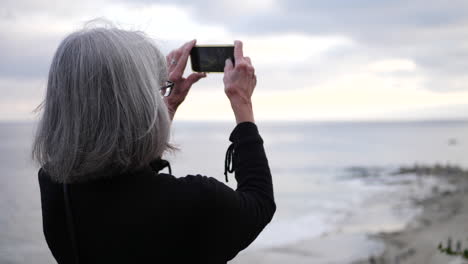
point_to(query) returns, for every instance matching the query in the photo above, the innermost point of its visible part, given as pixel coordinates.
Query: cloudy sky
(317, 60)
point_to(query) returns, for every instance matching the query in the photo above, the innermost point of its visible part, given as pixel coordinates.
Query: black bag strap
(70, 223)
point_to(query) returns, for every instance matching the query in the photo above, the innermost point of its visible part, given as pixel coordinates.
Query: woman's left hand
(177, 61)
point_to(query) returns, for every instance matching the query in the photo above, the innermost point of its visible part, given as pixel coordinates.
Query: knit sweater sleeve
(235, 218)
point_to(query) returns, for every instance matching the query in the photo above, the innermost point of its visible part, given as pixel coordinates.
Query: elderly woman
(100, 143)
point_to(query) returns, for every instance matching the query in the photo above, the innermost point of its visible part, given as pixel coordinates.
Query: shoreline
(443, 216)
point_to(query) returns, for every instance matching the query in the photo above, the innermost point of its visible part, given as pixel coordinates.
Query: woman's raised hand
(239, 84)
(177, 61)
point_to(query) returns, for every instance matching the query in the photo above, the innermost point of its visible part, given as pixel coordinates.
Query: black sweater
(149, 217)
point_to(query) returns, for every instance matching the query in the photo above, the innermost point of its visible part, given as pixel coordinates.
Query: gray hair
(102, 109)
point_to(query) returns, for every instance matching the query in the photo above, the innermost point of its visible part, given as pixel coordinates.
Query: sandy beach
(443, 215)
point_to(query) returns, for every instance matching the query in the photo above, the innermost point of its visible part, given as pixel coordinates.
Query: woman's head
(102, 107)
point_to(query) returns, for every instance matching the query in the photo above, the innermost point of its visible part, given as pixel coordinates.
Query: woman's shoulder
(199, 180)
(191, 186)
(205, 187)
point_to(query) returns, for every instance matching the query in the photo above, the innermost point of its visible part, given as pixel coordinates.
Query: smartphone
(211, 58)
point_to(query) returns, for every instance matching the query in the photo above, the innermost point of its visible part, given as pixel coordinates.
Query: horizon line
(265, 120)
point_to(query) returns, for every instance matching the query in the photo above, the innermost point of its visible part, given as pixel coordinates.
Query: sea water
(318, 197)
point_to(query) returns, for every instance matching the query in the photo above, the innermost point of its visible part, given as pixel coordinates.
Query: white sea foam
(353, 209)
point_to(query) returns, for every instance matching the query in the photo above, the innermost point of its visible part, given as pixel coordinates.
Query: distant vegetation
(437, 169)
(458, 251)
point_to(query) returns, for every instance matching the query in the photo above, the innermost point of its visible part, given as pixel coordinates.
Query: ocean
(319, 197)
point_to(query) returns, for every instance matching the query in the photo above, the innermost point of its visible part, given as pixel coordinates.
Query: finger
(195, 77)
(249, 61)
(238, 53)
(172, 59)
(228, 65)
(169, 57)
(174, 56)
(254, 82)
(178, 52)
(182, 61)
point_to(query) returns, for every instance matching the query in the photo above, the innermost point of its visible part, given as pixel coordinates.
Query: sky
(314, 60)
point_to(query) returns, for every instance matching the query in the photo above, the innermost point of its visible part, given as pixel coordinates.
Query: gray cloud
(430, 32)
(26, 56)
(11, 9)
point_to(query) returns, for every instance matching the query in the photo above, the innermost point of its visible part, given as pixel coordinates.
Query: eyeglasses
(166, 89)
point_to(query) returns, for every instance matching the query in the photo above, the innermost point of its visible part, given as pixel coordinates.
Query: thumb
(228, 65)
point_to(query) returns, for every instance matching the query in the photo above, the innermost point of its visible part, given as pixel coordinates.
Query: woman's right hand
(239, 84)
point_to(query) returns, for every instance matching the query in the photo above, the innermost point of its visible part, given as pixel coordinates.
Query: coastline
(444, 215)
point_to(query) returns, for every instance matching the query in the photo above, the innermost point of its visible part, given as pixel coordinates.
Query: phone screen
(210, 58)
